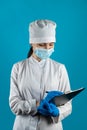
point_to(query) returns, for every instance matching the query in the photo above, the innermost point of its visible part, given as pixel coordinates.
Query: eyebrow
(47, 43)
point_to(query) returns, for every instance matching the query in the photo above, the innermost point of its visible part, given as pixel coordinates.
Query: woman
(32, 77)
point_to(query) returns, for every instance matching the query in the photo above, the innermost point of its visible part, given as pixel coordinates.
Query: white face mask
(43, 53)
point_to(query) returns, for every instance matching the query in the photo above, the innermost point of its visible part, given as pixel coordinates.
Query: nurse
(32, 77)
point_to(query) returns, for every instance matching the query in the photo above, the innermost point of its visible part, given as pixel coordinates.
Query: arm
(64, 86)
(16, 102)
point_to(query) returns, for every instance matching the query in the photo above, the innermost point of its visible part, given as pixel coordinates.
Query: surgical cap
(42, 31)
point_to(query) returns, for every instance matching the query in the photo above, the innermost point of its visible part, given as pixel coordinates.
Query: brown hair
(30, 52)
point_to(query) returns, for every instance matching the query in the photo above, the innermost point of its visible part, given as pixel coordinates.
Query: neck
(37, 58)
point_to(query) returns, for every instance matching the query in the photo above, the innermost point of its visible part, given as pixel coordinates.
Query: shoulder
(19, 65)
(56, 63)
(59, 67)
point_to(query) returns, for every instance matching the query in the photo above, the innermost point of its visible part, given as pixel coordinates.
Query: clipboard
(64, 98)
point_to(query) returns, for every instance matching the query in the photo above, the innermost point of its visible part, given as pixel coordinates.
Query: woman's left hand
(48, 109)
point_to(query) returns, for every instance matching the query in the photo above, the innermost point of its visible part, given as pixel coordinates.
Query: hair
(30, 52)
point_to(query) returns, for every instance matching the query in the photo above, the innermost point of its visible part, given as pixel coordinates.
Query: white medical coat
(30, 80)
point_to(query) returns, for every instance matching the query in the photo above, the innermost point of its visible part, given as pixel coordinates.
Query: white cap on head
(42, 31)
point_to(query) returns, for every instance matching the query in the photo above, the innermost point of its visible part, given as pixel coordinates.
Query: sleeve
(64, 86)
(16, 102)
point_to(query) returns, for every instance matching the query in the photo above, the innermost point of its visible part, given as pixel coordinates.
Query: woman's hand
(48, 109)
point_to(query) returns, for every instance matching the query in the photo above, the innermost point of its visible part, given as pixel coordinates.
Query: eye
(51, 44)
(41, 45)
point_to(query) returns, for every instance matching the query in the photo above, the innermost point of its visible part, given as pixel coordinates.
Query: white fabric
(42, 31)
(30, 80)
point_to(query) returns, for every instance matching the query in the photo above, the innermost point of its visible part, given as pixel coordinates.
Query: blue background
(70, 49)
